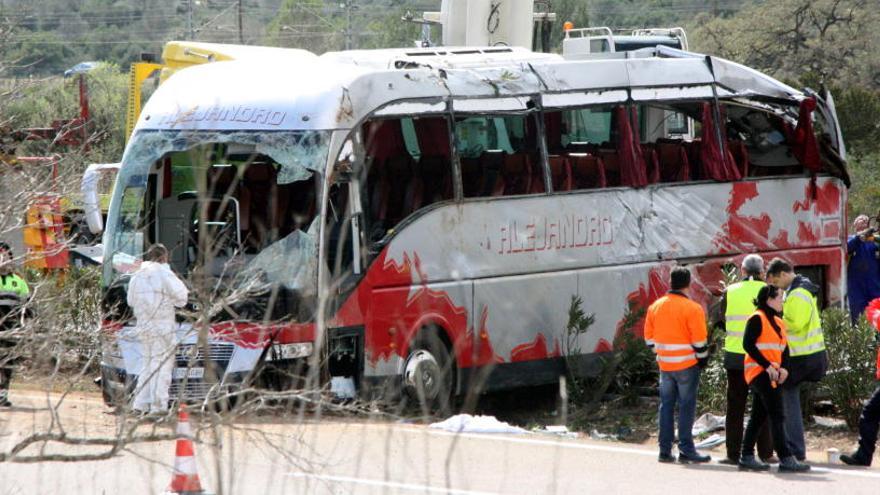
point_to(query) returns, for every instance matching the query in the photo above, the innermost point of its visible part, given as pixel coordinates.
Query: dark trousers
(734, 424)
(869, 423)
(766, 407)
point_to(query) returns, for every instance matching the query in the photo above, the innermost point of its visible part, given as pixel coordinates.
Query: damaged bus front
(229, 179)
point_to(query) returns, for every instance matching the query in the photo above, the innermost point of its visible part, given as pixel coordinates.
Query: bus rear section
(482, 224)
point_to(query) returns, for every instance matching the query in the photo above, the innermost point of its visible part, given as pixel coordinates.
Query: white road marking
(387, 484)
(857, 472)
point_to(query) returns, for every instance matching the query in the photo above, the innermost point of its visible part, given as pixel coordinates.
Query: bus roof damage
(342, 94)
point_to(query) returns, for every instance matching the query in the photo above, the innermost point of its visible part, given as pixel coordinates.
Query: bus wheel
(427, 375)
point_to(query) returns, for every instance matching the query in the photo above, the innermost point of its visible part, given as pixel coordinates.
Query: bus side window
(408, 168)
(499, 155)
(434, 166)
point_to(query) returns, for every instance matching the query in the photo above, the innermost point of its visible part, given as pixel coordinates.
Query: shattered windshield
(227, 203)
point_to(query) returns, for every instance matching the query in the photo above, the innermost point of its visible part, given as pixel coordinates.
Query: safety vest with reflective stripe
(739, 298)
(801, 314)
(770, 344)
(15, 284)
(675, 327)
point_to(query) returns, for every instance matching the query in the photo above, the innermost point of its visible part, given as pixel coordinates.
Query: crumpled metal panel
(745, 80)
(241, 95)
(516, 79)
(648, 72)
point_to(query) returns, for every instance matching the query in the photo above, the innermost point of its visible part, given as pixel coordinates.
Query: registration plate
(180, 373)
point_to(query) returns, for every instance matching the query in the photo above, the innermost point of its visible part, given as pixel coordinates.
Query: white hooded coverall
(153, 293)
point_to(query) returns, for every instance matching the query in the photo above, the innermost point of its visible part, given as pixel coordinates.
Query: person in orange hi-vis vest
(766, 345)
(675, 328)
(869, 421)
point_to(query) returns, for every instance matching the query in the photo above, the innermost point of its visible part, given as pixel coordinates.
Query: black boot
(751, 463)
(857, 458)
(791, 465)
(695, 458)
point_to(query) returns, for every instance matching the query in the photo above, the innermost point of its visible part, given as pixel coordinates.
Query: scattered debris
(595, 435)
(833, 423)
(710, 442)
(558, 430)
(707, 423)
(342, 387)
(465, 423)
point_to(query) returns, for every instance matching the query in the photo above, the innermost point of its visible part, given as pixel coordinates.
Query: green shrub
(712, 394)
(851, 355)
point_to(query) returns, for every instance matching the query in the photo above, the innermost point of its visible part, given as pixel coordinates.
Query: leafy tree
(829, 41)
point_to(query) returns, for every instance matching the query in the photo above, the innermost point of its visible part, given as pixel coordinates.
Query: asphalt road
(339, 456)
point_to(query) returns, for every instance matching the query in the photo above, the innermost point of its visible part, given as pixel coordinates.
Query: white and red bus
(421, 219)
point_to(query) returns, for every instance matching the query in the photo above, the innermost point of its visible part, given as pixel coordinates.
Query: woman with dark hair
(766, 346)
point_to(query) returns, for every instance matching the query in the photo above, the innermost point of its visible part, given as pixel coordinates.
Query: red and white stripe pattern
(185, 479)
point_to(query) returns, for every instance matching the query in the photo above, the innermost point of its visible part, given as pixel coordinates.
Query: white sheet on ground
(465, 423)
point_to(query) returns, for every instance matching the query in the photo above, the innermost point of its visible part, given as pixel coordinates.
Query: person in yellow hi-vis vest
(806, 342)
(737, 305)
(14, 293)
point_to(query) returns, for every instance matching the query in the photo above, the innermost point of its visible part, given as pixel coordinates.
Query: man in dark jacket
(806, 343)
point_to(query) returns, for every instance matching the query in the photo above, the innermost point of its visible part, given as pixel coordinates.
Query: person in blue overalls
(863, 267)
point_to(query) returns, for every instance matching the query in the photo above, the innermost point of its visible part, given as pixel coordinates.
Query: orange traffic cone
(185, 480)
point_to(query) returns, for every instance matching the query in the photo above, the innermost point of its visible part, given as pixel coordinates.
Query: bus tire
(428, 373)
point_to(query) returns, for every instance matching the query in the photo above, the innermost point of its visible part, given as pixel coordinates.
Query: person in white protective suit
(153, 293)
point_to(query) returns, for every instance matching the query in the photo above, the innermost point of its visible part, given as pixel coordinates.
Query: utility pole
(349, 6)
(240, 31)
(189, 19)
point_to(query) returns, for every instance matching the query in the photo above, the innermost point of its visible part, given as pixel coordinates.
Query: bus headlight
(290, 351)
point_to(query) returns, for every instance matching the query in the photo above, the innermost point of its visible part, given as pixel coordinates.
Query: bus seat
(693, 154)
(223, 180)
(584, 147)
(652, 163)
(436, 179)
(413, 194)
(553, 130)
(379, 190)
(259, 181)
(471, 177)
(384, 139)
(432, 134)
(516, 173)
(674, 163)
(612, 167)
(588, 171)
(560, 173)
(491, 166)
(398, 171)
(537, 180)
(244, 210)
